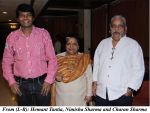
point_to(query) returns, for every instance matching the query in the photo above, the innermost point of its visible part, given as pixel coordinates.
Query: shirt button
(109, 66)
(107, 75)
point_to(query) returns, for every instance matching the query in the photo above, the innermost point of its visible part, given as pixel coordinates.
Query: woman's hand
(59, 77)
(88, 99)
(94, 86)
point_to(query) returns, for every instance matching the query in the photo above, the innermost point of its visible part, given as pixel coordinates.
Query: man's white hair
(119, 17)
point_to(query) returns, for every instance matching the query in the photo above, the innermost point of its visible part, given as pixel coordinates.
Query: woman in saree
(74, 76)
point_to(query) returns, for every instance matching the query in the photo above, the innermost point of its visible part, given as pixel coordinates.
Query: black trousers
(31, 92)
(122, 101)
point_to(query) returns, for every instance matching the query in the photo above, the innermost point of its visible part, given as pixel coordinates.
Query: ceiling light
(4, 12)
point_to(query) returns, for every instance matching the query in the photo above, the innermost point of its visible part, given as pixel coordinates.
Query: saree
(70, 68)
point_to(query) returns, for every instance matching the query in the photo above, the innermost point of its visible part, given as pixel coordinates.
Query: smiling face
(118, 28)
(25, 19)
(72, 46)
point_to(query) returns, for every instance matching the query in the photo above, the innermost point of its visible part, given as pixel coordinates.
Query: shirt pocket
(19, 54)
(39, 51)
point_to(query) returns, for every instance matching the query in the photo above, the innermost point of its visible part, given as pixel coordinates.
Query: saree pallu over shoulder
(71, 67)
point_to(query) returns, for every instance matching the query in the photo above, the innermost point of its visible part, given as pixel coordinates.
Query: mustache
(115, 32)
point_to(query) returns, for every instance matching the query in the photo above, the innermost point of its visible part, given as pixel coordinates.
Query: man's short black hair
(25, 8)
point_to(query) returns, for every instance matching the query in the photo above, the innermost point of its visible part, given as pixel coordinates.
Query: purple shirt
(29, 55)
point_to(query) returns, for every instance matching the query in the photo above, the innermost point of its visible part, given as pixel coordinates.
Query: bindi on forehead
(72, 40)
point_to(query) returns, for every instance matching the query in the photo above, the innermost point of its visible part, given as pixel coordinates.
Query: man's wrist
(131, 90)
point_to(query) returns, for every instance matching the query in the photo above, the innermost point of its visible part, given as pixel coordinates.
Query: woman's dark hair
(25, 8)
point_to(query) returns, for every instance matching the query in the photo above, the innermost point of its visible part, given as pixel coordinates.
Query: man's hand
(45, 89)
(128, 93)
(94, 86)
(88, 99)
(15, 89)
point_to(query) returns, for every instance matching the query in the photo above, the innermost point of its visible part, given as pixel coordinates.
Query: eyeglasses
(112, 53)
